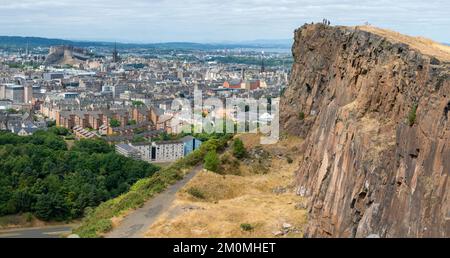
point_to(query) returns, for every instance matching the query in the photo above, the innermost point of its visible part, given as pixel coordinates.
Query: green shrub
(212, 161)
(197, 193)
(301, 116)
(114, 123)
(137, 103)
(28, 217)
(59, 130)
(246, 227)
(289, 160)
(69, 138)
(239, 150)
(412, 115)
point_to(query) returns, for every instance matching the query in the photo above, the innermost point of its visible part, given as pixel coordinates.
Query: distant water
(270, 50)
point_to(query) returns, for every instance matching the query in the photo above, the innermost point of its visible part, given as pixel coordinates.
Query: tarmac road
(38, 232)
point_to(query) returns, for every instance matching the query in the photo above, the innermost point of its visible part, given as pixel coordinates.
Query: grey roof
(158, 111)
(141, 143)
(29, 130)
(168, 142)
(126, 147)
(187, 138)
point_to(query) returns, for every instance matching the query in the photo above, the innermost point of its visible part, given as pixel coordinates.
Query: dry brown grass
(424, 45)
(232, 200)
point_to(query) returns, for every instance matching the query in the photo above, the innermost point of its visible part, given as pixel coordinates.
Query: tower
(28, 93)
(263, 68)
(115, 54)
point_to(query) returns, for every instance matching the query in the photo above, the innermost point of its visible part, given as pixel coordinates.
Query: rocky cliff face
(375, 115)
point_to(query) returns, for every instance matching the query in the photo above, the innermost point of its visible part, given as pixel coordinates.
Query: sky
(148, 21)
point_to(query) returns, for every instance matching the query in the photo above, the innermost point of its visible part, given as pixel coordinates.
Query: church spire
(115, 53)
(263, 68)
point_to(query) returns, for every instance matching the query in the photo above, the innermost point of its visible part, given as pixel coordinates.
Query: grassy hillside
(250, 195)
(98, 221)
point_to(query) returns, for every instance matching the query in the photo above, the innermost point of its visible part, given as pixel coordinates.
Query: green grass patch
(197, 193)
(301, 116)
(412, 115)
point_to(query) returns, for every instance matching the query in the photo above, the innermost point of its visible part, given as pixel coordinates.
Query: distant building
(83, 133)
(26, 131)
(234, 84)
(167, 151)
(13, 92)
(164, 151)
(128, 151)
(190, 144)
(145, 150)
(23, 125)
(248, 84)
(53, 76)
(118, 89)
(115, 54)
(70, 95)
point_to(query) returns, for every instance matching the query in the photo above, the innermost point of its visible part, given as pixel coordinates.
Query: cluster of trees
(212, 161)
(39, 174)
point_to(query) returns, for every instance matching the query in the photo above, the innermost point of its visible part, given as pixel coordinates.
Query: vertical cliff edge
(374, 109)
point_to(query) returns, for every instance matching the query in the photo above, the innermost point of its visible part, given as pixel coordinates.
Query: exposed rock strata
(366, 171)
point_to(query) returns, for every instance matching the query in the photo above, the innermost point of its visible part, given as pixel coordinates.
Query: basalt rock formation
(374, 109)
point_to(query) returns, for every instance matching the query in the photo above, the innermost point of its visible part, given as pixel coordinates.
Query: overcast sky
(213, 20)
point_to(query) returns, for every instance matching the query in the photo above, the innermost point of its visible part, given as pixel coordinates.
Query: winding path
(138, 221)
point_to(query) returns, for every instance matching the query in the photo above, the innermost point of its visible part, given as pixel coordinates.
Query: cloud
(213, 20)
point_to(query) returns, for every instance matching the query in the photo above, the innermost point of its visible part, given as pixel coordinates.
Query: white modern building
(167, 151)
(158, 152)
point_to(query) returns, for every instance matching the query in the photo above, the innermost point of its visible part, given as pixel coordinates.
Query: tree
(137, 139)
(239, 150)
(92, 146)
(212, 161)
(137, 103)
(59, 130)
(51, 206)
(114, 123)
(38, 174)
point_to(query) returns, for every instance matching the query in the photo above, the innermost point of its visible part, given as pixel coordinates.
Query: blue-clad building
(190, 144)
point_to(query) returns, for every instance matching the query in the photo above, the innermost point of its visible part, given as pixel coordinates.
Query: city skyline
(140, 21)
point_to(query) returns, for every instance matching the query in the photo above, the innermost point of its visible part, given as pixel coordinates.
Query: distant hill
(20, 42)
